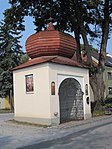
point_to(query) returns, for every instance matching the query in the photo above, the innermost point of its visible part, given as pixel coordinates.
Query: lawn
(98, 113)
(6, 111)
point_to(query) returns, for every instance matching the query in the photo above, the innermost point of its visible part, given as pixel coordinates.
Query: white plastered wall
(41, 105)
(60, 72)
(32, 105)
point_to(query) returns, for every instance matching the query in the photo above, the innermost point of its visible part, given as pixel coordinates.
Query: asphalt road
(89, 134)
(96, 137)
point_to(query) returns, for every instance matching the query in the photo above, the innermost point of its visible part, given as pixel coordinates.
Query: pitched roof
(52, 59)
(108, 60)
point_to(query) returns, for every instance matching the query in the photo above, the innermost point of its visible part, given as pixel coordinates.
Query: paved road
(90, 134)
(96, 137)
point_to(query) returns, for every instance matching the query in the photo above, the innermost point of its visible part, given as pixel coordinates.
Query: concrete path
(14, 136)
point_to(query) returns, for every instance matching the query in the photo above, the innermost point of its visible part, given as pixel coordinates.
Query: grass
(6, 111)
(98, 113)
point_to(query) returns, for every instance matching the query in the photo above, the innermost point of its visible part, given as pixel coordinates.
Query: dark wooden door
(71, 100)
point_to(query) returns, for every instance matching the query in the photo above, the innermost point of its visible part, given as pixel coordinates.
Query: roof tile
(52, 59)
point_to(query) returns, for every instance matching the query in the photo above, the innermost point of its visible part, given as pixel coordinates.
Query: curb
(82, 122)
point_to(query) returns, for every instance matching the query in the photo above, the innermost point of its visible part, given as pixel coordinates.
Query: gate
(71, 100)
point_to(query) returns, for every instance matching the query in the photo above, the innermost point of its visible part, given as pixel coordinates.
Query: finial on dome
(50, 27)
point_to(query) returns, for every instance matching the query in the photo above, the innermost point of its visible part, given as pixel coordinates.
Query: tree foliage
(90, 19)
(78, 16)
(10, 54)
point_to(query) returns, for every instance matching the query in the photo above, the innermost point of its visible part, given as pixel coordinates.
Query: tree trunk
(98, 81)
(78, 51)
(102, 55)
(98, 90)
(93, 83)
(78, 6)
(105, 33)
(100, 86)
(86, 45)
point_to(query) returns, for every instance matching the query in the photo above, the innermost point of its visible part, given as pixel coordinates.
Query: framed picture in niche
(52, 88)
(86, 89)
(29, 83)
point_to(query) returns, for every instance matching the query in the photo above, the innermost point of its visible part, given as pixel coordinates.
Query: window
(29, 83)
(110, 90)
(109, 76)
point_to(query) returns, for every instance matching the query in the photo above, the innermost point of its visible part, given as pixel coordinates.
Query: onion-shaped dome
(50, 42)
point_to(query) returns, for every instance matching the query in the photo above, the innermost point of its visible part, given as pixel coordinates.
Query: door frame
(61, 78)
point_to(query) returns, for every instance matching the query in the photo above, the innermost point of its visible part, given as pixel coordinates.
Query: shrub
(108, 100)
(108, 105)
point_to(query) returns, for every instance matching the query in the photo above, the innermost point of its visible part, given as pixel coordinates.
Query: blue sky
(29, 27)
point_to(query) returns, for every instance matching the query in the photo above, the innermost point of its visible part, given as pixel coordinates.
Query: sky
(29, 28)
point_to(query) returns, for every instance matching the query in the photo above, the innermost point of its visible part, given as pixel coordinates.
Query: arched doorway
(71, 100)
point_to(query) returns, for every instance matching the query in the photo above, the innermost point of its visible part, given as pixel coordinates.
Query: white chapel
(51, 88)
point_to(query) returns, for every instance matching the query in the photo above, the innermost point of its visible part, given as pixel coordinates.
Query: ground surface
(90, 134)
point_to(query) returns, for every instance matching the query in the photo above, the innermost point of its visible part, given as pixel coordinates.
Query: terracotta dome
(50, 42)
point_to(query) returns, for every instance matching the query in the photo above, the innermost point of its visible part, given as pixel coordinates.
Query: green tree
(73, 16)
(103, 9)
(10, 55)
(24, 58)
